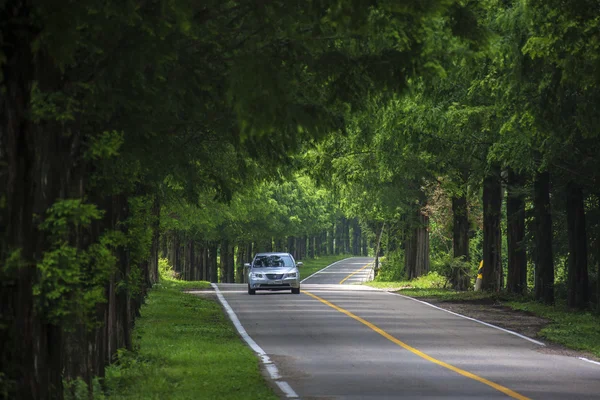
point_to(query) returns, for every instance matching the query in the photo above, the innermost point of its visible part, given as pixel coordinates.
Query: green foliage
(391, 268)
(64, 216)
(77, 389)
(576, 330)
(165, 270)
(446, 265)
(171, 279)
(431, 281)
(72, 278)
(105, 145)
(280, 208)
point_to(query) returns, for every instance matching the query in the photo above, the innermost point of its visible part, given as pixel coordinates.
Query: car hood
(274, 270)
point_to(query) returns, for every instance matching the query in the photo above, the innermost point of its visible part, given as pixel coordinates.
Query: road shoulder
(521, 322)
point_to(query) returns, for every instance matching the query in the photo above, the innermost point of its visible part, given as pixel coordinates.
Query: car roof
(273, 254)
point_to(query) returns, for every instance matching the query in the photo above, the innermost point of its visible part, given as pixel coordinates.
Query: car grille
(275, 276)
(270, 285)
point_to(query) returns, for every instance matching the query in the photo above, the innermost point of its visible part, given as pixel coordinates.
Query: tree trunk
(212, 262)
(338, 237)
(346, 234)
(377, 245)
(356, 237)
(331, 241)
(279, 245)
(164, 249)
(416, 255)
(21, 354)
(231, 264)
(224, 261)
(544, 266)
(460, 241)
(516, 281)
(291, 246)
(298, 248)
(154, 249)
(188, 262)
(205, 276)
(249, 254)
(174, 254)
(422, 235)
(239, 265)
(492, 235)
(577, 275)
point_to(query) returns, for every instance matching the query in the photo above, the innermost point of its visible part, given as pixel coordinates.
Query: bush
(445, 265)
(430, 281)
(391, 268)
(165, 270)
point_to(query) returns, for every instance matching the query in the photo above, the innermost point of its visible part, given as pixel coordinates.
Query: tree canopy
(439, 133)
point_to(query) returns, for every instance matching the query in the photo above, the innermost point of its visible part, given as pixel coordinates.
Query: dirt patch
(497, 314)
(522, 322)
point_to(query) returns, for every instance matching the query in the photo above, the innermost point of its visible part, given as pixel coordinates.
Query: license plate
(276, 282)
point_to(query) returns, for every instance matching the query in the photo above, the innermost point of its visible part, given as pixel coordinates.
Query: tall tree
(516, 279)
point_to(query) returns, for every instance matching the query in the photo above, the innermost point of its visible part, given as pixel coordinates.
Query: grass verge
(310, 266)
(430, 281)
(573, 329)
(186, 348)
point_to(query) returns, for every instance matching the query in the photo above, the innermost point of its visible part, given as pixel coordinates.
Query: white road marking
(472, 319)
(588, 360)
(320, 271)
(344, 272)
(269, 366)
(287, 389)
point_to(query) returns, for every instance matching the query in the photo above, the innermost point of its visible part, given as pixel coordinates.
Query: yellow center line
(355, 272)
(419, 353)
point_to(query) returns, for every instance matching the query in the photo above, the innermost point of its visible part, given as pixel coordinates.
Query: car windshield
(273, 261)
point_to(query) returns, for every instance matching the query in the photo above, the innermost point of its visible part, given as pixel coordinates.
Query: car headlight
(257, 275)
(292, 275)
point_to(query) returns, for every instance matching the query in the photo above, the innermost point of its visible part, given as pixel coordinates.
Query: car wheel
(295, 290)
(251, 291)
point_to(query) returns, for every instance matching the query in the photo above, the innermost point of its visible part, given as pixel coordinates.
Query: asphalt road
(346, 341)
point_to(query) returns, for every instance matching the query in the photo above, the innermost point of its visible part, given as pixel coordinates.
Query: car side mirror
(299, 264)
(247, 265)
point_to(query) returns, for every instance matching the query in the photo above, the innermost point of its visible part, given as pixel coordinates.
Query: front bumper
(274, 284)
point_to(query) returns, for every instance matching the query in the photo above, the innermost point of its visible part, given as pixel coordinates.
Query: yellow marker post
(479, 279)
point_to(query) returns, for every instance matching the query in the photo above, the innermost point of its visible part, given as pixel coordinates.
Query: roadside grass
(577, 330)
(430, 281)
(185, 348)
(574, 329)
(310, 266)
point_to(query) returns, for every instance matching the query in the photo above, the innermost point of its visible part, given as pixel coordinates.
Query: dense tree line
(505, 139)
(207, 131)
(116, 117)
(211, 240)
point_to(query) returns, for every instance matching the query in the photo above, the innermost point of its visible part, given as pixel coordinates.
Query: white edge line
(269, 366)
(588, 360)
(472, 319)
(321, 270)
(287, 389)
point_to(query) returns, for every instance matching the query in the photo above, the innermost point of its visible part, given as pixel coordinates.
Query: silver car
(273, 271)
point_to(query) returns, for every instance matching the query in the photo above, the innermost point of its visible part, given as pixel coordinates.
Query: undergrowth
(185, 348)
